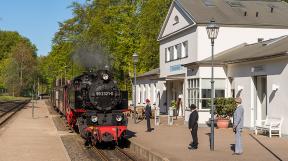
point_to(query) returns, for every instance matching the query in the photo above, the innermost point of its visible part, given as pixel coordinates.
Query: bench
(270, 124)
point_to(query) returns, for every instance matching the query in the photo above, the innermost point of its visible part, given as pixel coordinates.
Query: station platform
(171, 143)
(24, 138)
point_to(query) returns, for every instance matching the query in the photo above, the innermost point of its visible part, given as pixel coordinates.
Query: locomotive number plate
(104, 93)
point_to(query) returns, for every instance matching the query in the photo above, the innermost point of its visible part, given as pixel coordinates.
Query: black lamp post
(212, 31)
(135, 60)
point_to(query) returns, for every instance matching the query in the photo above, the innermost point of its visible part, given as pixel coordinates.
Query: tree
(151, 18)
(113, 30)
(21, 68)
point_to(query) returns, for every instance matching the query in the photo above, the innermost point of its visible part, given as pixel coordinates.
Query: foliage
(11, 98)
(224, 107)
(173, 104)
(18, 62)
(119, 27)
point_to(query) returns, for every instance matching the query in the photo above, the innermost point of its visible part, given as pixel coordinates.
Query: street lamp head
(135, 58)
(212, 30)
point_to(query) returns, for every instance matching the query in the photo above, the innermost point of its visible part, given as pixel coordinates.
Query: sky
(36, 20)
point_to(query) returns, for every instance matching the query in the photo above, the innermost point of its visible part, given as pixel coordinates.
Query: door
(260, 112)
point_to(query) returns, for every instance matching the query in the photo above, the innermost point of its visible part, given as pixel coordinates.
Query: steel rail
(16, 108)
(100, 153)
(125, 154)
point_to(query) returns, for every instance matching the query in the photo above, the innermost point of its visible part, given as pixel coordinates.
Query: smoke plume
(91, 56)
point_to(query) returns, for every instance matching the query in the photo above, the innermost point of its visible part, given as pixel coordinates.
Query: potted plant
(173, 106)
(224, 109)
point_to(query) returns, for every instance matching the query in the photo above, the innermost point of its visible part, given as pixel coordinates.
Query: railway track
(8, 109)
(113, 154)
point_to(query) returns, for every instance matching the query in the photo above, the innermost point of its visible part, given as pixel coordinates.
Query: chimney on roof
(260, 39)
(257, 14)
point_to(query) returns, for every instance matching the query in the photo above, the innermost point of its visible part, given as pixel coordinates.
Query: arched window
(176, 20)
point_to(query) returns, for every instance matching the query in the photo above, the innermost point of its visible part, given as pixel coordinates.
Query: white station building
(250, 58)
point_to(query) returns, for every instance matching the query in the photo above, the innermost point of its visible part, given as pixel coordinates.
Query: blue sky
(35, 19)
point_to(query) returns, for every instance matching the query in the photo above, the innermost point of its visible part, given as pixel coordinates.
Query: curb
(146, 153)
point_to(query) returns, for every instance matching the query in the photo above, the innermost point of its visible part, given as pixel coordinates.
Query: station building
(250, 58)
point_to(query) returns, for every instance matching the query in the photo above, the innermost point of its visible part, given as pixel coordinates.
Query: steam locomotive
(94, 106)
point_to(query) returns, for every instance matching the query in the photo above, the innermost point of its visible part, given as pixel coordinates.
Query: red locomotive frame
(99, 133)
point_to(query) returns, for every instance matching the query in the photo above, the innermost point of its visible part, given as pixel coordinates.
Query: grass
(11, 98)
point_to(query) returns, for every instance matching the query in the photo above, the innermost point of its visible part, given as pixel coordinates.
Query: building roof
(249, 52)
(238, 12)
(153, 72)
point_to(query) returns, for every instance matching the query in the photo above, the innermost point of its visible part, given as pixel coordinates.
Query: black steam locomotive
(93, 104)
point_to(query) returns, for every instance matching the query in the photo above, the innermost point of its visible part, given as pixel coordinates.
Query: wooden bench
(270, 124)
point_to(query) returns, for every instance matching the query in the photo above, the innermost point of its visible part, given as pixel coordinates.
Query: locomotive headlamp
(94, 119)
(119, 118)
(105, 76)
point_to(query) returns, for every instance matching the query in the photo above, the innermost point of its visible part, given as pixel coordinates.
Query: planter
(223, 123)
(174, 112)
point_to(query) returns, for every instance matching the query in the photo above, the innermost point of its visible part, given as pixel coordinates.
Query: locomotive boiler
(94, 105)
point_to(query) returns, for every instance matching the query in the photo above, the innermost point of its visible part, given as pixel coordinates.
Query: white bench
(271, 125)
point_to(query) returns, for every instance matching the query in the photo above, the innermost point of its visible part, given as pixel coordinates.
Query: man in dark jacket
(193, 127)
(148, 115)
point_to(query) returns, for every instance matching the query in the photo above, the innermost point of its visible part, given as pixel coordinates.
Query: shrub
(224, 107)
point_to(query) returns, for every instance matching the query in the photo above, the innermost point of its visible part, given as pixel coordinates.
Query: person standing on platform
(193, 127)
(148, 113)
(238, 120)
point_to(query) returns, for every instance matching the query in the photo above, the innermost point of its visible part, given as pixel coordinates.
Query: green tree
(119, 27)
(21, 68)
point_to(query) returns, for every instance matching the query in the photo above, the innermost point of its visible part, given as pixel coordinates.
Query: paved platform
(25, 138)
(171, 142)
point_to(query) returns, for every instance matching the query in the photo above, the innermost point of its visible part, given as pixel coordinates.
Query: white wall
(229, 37)
(205, 72)
(277, 73)
(155, 91)
(187, 35)
(170, 26)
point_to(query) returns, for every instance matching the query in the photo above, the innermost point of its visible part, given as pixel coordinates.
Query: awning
(176, 77)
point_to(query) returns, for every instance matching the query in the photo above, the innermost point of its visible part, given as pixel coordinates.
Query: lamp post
(212, 31)
(135, 60)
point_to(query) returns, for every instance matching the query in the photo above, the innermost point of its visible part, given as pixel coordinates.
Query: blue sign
(175, 68)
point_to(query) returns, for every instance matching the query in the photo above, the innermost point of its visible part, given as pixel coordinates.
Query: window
(175, 53)
(155, 93)
(144, 94)
(193, 92)
(167, 55)
(176, 20)
(184, 49)
(148, 92)
(138, 92)
(219, 86)
(178, 51)
(171, 52)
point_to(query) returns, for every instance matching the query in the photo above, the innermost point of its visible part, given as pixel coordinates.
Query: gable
(176, 20)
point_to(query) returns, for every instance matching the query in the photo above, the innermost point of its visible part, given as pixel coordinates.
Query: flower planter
(223, 123)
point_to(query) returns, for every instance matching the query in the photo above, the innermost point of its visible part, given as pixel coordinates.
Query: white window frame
(194, 92)
(184, 51)
(167, 55)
